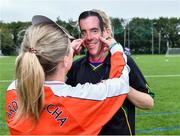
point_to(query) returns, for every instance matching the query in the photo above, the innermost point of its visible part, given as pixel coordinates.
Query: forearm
(140, 99)
(118, 61)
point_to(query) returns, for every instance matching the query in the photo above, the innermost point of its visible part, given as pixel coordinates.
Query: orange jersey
(83, 109)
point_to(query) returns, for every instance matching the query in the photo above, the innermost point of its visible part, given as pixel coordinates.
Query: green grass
(163, 119)
(6, 73)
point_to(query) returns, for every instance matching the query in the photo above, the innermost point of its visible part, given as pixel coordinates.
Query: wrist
(116, 47)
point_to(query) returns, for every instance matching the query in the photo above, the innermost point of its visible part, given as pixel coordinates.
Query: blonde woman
(40, 102)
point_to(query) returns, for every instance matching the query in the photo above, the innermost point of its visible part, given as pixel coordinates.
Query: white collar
(53, 82)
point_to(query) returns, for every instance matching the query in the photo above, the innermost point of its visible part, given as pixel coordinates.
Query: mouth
(91, 45)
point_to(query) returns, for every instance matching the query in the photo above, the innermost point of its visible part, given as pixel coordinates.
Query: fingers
(77, 45)
(107, 41)
(107, 38)
(103, 39)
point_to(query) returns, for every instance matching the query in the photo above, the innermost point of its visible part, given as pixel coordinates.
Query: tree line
(141, 35)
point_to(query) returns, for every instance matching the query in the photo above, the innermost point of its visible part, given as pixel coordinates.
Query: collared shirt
(82, 72)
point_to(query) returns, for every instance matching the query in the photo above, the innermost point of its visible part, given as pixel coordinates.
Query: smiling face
(90, 31)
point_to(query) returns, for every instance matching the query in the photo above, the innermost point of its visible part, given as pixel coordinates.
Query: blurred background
(149, 30)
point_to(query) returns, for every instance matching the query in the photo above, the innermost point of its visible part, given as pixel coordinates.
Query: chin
(94, 53)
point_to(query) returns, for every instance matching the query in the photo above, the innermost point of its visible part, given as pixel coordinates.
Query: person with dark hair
(86, 14)
(95, 66)
(40, 102)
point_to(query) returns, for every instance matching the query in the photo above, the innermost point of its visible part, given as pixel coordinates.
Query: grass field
(163, 75)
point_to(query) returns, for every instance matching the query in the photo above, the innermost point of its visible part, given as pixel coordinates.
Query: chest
(87, 73)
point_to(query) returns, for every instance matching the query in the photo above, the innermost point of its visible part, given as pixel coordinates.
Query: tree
(71, 26)
(15, 28)
(140, 31)
(117, 29)
(7, 44)
(168, 28)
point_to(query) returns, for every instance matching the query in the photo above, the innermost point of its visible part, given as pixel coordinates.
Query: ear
(66, 61)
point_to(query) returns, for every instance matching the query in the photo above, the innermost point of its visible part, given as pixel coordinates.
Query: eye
(94, 30)
(83, 34)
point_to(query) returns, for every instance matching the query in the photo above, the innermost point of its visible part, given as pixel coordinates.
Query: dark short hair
(89, 13)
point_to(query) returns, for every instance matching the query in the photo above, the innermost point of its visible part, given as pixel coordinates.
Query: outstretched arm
(140, 99)
(140, 94)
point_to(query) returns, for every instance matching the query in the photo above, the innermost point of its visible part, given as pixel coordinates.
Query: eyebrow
(94, 28)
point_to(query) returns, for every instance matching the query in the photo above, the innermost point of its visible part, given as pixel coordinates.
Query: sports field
(163, 75)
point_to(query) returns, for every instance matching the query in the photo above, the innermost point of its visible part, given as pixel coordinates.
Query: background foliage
(136, 34)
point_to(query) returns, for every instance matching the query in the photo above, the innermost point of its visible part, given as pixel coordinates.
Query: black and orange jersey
(83, 109)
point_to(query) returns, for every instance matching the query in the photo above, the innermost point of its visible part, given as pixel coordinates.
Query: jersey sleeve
(92, 115)
(118, 61)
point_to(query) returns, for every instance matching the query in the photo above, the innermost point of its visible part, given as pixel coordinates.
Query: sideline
(178, 75)
(158, 129)
(157, 113)
(5, 81)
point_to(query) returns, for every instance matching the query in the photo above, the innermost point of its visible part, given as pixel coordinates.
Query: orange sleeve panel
(93, 115)
(117, 65)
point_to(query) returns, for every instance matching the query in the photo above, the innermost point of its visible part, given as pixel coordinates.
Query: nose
(89, 36)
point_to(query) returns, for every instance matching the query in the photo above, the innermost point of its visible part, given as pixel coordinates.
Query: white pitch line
(162, 76)
(5, 81)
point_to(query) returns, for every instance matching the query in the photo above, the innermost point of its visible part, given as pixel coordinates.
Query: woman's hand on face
(106, 42)
(77, 45)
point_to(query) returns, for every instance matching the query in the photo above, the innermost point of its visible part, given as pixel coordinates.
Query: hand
(106, 42)
(77, 45)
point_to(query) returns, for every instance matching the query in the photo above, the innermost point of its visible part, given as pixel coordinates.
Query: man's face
(90, 31)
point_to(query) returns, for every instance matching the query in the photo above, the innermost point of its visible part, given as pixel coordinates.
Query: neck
(59, 75)
(55, 77)
(98, 58)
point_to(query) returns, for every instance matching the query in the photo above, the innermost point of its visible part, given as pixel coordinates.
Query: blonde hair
(50, 44)
(106, 19)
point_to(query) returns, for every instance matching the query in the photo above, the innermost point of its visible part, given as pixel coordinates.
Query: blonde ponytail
(43, 47)
(30, 75)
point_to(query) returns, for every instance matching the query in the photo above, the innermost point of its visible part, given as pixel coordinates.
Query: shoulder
(130, 59)
(131, 63)
(80, 61)
(12, 86)
(75, 68)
